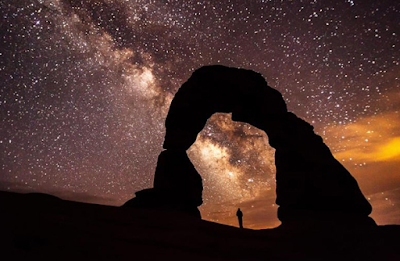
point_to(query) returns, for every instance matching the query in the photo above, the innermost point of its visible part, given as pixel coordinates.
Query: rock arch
(212, 89)
(311, 183)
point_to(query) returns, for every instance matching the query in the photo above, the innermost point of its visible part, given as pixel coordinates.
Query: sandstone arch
(311, 183)
(212, 89)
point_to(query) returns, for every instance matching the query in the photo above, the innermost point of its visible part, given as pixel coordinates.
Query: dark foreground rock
(42, 227)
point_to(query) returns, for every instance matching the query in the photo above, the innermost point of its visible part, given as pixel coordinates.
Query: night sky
(86, 86)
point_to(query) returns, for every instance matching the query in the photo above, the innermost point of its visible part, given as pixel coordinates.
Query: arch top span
(212, 89)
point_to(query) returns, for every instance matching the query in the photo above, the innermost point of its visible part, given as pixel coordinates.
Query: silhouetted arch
(311, 183)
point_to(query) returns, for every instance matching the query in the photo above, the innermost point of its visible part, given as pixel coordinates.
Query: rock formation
(311, 184)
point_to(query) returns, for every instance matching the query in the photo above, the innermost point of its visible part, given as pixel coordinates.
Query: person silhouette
(239, 214)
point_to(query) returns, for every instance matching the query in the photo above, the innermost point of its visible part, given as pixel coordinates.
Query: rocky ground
(43, 227)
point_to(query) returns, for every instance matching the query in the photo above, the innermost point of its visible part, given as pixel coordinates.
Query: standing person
(239, 214)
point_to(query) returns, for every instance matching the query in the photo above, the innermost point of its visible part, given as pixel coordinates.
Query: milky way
(86, 86)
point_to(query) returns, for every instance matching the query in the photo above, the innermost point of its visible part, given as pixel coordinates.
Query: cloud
(370, 139)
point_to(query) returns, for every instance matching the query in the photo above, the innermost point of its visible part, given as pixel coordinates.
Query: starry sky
(86, 86)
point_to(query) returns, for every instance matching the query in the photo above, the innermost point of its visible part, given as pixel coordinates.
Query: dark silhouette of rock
(312, 186)
(311, 183)
(239, 215)
(176, 172)
(177, 185)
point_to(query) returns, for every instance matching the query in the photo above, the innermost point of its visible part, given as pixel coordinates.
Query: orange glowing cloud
(390, 150)
(372, 139)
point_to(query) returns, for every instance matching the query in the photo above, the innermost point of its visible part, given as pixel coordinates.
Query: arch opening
(237, 166)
